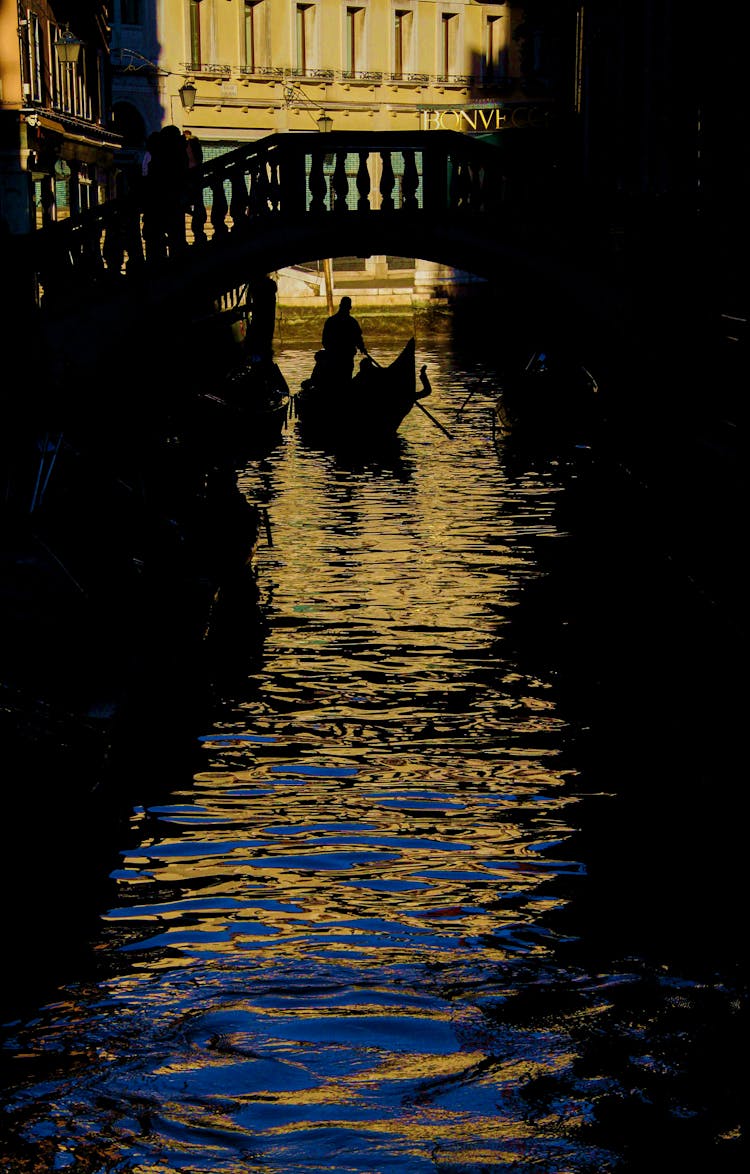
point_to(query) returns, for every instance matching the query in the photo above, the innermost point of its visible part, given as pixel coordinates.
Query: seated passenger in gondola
(342, 338)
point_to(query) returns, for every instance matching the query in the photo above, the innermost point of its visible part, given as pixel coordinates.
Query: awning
(76, 135)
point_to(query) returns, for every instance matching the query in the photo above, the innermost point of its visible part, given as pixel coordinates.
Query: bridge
(101, 306)
(289, 199)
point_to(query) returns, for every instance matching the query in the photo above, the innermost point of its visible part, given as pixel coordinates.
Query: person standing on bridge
(342, 338)
(194, 153)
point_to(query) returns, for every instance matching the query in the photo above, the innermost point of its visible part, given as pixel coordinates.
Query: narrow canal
(455, 885)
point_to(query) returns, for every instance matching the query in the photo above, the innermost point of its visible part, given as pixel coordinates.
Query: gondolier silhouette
(342, 338)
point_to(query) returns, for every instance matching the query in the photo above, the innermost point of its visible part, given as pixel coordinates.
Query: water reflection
(340, 945)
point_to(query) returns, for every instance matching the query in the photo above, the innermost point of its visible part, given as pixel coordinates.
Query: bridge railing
(286, 178)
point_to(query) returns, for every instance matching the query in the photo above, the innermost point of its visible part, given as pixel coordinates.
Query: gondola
(550, 404)
(245, 417)
(365, 410)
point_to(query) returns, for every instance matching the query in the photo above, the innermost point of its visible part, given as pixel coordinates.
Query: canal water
(454, 883)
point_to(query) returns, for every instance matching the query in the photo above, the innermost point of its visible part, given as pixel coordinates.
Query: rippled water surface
(349, 942)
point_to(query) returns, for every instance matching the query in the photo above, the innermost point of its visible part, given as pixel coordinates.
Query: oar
(42, 460)
(474, 389)
(430, 416)
(417, 404)
(43, 490)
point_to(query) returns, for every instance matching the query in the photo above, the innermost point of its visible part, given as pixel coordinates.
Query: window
(355, 18)
(351, 40)
(196, 57)
(304, 37)
(131, 11)
(69, 84)
(252, 33)
(401, 41)
(492, 47)
(449, 27)
(35, 57)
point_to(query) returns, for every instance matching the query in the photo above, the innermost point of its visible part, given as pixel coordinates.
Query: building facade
(262, 66)
(58, 152)
(234, 71)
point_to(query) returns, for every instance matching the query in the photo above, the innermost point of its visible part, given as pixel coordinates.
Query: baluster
(453, 183)
(258, 203)
(387, 182)
(113, 249)
(317, 183)
(263, 183)
(458, 184)
(198, 218)
(476, 172)
(56, 272)
(91, 263)
(219, 207)
(274, 184)
(239, 203)
(340, 184)
(493, 187)
(253, 182)
(467, 184)
(132, 238)
(410, 182)
(363, 182)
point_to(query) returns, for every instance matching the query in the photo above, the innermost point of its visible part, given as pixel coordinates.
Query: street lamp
(67, 46)
(187, 93)
(325, 122)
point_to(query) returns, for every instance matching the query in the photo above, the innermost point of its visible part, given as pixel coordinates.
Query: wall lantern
(187, 94)
(67, 46)
(325, 123)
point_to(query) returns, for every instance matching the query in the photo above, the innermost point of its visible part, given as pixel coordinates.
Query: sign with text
(485, 119)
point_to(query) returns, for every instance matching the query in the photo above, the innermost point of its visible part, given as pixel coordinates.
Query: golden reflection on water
(323, 915)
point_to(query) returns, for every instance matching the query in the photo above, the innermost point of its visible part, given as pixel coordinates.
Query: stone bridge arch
(289, 199)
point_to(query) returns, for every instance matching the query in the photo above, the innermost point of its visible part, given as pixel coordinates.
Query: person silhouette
(168, 173)
(194, 153)
(342, 338)
(154, 229)
(259, 337)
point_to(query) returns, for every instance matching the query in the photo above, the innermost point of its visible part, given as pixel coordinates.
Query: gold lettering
(475, 119)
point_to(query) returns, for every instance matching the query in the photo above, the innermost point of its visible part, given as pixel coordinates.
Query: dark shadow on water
(392, 455)
(649, 675)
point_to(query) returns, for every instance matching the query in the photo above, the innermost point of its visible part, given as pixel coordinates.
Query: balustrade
(438, 174)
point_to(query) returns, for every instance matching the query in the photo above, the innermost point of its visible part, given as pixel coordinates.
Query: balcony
(362, 77)
(308, 74)
(409, 79)
(261, 73)
(453, 81)
(206, 70)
